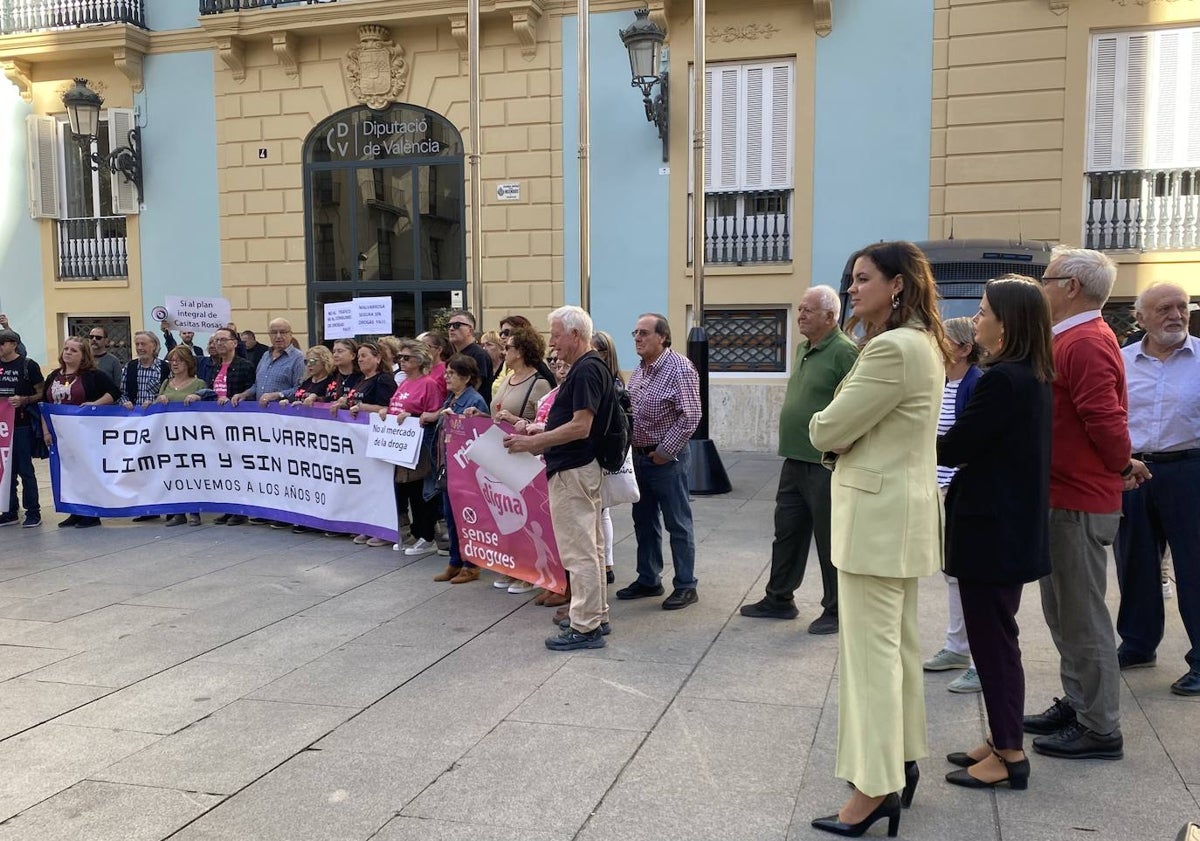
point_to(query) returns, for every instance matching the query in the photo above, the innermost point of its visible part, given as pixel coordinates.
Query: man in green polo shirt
(802, 501)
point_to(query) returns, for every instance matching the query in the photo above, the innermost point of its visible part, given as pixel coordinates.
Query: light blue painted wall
(20, 243)
(180, 237)
(172, 14)
(628, 195)
(872, 123)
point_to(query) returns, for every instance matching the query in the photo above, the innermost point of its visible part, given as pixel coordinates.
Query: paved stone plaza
(255, 685)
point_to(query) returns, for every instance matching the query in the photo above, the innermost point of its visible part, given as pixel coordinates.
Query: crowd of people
(1010, 448)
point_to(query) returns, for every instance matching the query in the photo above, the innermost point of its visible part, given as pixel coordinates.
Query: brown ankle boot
(465, 575)
(447, 574)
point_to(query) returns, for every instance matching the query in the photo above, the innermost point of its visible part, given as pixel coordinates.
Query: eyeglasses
(403, 357)
(97, 338)
(641, 334)
(1050, 278)
(223, 339)
(553, 360)
(454, 325)
(279, 332)
(504, 334)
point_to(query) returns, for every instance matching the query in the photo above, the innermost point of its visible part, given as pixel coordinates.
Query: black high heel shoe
(912, 776)
(889, 808)
(965, 760)
(1018, 776)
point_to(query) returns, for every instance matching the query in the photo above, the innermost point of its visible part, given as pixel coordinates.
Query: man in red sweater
(1090, 467)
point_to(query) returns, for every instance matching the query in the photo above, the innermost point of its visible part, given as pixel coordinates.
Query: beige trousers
(575, 512)
(881, 691)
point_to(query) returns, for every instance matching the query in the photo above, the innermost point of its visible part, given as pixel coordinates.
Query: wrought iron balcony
(747, 227)
(90, 249)
(1143, 210)
(38, 15)
(215, 7)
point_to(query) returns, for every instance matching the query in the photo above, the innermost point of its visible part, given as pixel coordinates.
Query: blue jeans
(22, 468)
(456, 559)
(664, 488)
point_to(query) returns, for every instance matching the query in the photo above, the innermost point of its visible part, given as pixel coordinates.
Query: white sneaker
(520, 588)
(966, 683)
(502, 582)
(421, 547)
(1167, 592)
(945, 660)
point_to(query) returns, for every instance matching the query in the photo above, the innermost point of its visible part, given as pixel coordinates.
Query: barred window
(747, 340)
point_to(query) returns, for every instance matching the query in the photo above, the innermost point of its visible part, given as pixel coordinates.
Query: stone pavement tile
(1174, 720)
(426, 829)
(215, 588)
(319, 795)
(42, 762)
(766, 663)
(643, 631)
(350, 676)
(108, 812)
(724, 747)
(71, 602)
(139, 655)
(290, 642)
(628, 814)
(100, 626)
(25, 703)
(594, 692)
(1037, 830)
(14, 631)
(229, 749)
(385, 597)
(19, 659)
(529, 776)
(447, 620)
(173, 699)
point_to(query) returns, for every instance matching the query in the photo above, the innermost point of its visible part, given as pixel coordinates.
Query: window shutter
(1103, 84)
(42, 133)
(1193, 111)
(757, 110)
(723, 132)
(782, 128)
(121, 121)
(1164, 99)
(1131, 152)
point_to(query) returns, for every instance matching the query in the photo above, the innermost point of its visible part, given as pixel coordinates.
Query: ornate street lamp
(83, 112)
(644, 40)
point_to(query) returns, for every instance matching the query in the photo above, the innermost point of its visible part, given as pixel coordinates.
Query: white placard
(394, 442)
(373, 316)
(508, 192)
(339, 320)
(516, 470)
(204, 314)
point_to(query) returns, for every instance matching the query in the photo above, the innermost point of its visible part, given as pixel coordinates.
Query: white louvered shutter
(121, 121)
(42, 133)
(721, 164)
(782, 127)
(767, 133)
(1101, 126)
(1193, 100)
(1164, 101)
(1133, 67)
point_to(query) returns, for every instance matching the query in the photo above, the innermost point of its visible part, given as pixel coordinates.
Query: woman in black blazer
(997, 518)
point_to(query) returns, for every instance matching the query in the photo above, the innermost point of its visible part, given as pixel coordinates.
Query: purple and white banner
(7, 416)
(294, 463)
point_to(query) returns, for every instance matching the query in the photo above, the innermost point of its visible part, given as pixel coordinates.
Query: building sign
(508, 192)
(401, 131)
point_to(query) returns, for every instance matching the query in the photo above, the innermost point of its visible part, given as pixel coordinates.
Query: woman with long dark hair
(997, 530)
(886, 528)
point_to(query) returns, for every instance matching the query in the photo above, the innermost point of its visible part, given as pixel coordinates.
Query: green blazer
(886, 512)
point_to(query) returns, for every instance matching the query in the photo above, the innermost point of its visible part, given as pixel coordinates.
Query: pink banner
(7, 418)
(502, 528)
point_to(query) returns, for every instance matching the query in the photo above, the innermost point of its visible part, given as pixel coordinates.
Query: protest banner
(395, 442)
(295, 464)
(339, 320)
(501, 527)
(204, 314)
(373, 316)
(7, 419)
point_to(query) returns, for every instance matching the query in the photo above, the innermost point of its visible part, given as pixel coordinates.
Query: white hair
(1139, 305)
(1095, 271)
(153, 339)
(829, 300)
(574, 319)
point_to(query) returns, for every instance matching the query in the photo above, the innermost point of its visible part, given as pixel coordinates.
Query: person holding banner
(144, 374)
(345, 373)
(176, 388)
(417, 395)
(77, 382)
(277, 370)
(462, 378)
(21, 385)
(569, 443)
(440, 351)
(318, 364)
(374, 391)
(230, 374)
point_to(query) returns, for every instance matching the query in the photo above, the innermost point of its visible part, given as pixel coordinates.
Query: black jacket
(239, 378)
(998, 504)
(129, 380)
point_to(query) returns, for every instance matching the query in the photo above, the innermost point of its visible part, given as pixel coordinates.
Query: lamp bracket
(124, 160)
(657, 108)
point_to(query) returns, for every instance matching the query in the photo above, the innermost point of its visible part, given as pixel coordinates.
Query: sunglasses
(404, 357)
(510, 347)
(454, 325)
(312, 362)
(96, 338)
(504, 334)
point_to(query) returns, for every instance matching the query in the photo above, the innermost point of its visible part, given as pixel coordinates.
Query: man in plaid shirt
(665, 391)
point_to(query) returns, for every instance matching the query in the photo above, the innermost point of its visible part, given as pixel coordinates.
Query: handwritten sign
(373, 316)
(339, 320)
(394, 442)
(204, 314)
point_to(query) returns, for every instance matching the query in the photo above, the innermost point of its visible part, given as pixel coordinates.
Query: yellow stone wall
(1010, 96)
(262, 201)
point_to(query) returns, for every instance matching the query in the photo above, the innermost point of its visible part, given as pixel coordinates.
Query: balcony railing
(92, 248)
(38, 15)
(1143, 209)
(215, 7)
(747, 227)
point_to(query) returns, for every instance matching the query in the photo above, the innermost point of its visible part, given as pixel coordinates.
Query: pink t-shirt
(219, 381)
(438, 375)
(415, 396)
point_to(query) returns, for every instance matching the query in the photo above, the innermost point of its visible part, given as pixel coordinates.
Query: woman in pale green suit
(886, 528)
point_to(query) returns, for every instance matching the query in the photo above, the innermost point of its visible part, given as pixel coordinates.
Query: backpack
(613, 445)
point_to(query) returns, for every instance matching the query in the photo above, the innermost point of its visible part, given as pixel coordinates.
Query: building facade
(298, 152)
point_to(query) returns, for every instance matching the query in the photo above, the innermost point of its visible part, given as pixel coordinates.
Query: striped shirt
(149, 379)
(946, 420)
(666, 403)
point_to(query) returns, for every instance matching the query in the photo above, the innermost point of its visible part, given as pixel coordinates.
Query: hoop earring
(896, 301)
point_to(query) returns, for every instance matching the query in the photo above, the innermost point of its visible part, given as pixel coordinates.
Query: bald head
(1162, 311)
(281, 335)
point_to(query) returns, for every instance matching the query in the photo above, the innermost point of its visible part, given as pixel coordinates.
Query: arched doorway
(384, 214)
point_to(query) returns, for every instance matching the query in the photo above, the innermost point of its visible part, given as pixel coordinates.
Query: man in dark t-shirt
(461, 327)
(574, 426)
(21, 386)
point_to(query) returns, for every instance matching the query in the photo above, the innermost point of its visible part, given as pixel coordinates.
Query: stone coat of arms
(378, 71)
